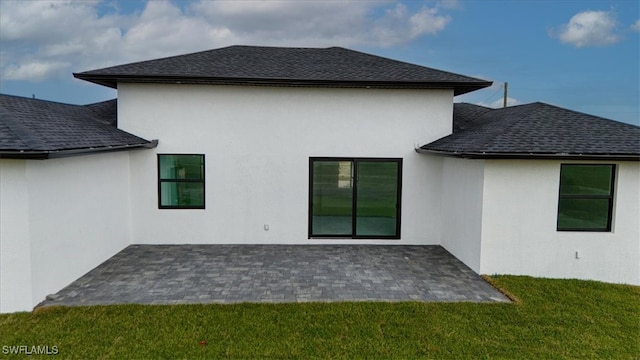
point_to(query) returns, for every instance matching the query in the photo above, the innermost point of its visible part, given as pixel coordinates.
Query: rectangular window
(354, 198)
(180, 181)
(586, 197)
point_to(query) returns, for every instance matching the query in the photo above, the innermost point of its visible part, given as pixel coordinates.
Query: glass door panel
(377, 198)
(332, 198)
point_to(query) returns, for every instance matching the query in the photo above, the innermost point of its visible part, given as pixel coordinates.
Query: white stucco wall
(79, 216)
(462, 196)
(519, 226)
(257, 142)
(60, 218)
(15, 250)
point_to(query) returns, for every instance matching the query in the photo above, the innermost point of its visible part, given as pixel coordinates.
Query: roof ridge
(485, 124)
(280, 47)
(557, 107)
(158, 59)
(75, 106)
(511, 122)
(582, 113)
(97, 110)
(200, 52)
(406, 63)
(466, 103)
(99, 102)
(467, 115)
(22, 132)
(36, 99)
(245, 46)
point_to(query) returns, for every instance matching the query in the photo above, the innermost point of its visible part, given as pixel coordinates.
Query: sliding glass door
(354, 197)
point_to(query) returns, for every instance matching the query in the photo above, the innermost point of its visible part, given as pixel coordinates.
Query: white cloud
(322, 23)
(162, 29)
(44, 21)
(34, 71)
(427, 21)
(52, 38)
(398, 26)
(56, 37)
(500, 103)
(303, 23)
(636, 25)
(589, 28)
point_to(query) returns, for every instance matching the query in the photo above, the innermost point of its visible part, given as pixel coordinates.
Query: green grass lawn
(552, 319)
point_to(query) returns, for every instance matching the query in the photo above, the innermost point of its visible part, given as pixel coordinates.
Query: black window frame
(609, 197)
(355, 163)
(161, 181)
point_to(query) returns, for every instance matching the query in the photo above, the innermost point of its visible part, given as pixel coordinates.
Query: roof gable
(259, 65)
(31, 128)
(536, 130)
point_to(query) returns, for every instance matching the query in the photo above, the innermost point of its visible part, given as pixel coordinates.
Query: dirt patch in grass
(498, 287)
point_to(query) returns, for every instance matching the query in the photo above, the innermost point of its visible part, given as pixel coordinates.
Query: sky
(581, 55)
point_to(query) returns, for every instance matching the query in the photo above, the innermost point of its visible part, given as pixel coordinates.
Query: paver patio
(181, 274)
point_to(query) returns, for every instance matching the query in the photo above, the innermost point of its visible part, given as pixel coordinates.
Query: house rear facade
(259, 145)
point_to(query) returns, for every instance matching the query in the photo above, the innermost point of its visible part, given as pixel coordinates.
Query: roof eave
(113, 80)
(529, 156)
(54, 154)
(107, 81)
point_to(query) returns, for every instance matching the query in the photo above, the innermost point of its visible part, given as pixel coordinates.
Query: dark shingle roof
(105, 112)
(329, 67)
(31, 128)
(536, 130)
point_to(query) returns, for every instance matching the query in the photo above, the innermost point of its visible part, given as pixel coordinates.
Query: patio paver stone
(182, 274)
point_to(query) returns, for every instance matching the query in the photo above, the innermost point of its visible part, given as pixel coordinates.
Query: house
(265, 145)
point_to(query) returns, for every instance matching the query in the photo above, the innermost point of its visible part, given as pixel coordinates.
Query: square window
(180, 181)
(586, 197)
